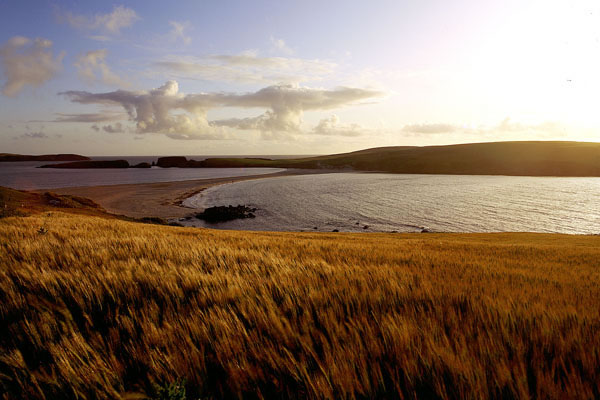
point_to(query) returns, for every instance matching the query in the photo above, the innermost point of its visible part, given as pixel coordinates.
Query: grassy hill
(500, 158)
(92, 307)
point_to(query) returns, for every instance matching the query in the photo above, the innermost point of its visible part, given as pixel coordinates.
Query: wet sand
(161, 199)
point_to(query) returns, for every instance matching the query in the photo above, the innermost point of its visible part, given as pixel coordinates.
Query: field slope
(498, 158)
(98, 308)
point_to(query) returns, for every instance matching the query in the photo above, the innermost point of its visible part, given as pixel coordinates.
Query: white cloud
(505, 129)
(34, 135)
(90, 117)
(183, 116)
(178, 31)
(248, 67)
(287, 103)
(27, 62)
(280, 46)
(92, 68)
(429, 128)
(121, 17)
(331, 126)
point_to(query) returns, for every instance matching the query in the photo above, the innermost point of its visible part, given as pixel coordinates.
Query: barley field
(94, 308)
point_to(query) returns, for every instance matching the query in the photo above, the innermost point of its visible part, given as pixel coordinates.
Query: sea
(26, 176)
(378, 202)
(357, 202)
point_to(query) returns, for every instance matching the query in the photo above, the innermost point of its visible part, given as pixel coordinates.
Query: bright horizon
(137, 78)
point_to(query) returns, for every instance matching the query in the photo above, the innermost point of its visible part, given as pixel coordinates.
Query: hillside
(99, 308)
(499, 158)
(45, 157)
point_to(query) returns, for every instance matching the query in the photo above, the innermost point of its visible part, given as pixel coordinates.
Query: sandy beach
(161, 199)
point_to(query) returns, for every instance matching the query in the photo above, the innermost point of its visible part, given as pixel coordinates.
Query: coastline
(160, 199)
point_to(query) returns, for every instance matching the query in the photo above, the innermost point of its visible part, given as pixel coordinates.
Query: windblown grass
(99, 308)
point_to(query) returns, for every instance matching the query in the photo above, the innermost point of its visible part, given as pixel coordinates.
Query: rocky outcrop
(171, 162)
(142, 165)
(178, 162)
(226, 213)
(89, 164)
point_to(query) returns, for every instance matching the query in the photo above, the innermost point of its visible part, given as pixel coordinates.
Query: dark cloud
(116, 128)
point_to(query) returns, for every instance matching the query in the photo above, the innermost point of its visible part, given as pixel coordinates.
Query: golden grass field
(104, 308)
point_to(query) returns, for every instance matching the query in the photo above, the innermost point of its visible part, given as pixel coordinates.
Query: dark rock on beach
(226, 213)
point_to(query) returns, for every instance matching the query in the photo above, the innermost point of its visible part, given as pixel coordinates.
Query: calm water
(409, 203)
(25, 175)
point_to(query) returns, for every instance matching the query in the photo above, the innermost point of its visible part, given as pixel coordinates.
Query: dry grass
(98, 308)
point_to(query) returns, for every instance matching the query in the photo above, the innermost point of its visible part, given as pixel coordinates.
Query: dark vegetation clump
(67, 201)
(226, 213)
(153, 220)
(170, 391)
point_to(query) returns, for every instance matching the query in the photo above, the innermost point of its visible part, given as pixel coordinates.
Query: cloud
(332, 127)
(34, 135)
(184, 116)
(121, 17)
(178, 31)
(287, 103)
(116, 128)
(429, 128)
(27, 62)
(100, 38)
(248, 67)
(89, 117)
(151, 110)
(92, 68)
(506, 128)
(280, 46)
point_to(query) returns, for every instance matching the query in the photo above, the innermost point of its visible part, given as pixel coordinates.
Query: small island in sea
(8, 157)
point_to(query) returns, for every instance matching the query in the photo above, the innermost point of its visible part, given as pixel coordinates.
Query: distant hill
(45, 157)
(89, 164)
(497, 158)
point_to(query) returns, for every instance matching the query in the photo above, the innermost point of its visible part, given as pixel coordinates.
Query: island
(89, 164)
(8, 157)
(97, 164)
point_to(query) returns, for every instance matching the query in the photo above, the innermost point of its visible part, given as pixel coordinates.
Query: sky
(294, 77)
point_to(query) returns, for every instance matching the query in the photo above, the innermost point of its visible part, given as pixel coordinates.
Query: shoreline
(161, 199)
